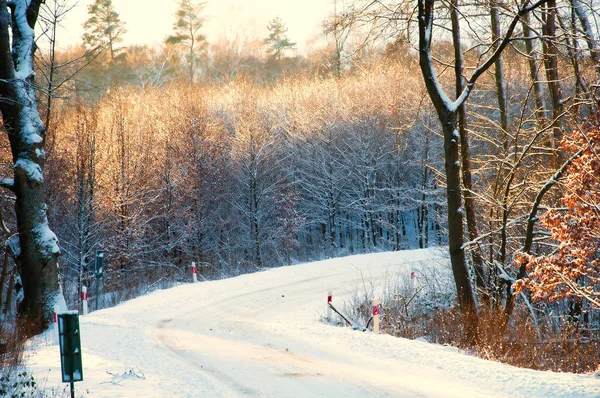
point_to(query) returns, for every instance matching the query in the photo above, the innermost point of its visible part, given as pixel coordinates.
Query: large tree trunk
(38, 253)
(448, 116)
(447, 111)
(465, 153)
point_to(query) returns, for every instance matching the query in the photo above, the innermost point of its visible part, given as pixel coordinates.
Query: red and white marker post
(329, 299)
(376, 315)
(194, 276)
(55, 322)
(413, 283)
(84, 300)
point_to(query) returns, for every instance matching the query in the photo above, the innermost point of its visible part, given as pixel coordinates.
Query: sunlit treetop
(104, 28)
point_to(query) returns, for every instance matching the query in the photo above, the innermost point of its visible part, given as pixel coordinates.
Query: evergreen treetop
(103, 29)
(277, 40)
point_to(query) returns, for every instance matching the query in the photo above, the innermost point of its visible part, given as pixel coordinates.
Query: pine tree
(186, 32)
(104, 29)
(277, 40)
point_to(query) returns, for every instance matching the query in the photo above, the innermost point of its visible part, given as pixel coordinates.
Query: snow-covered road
(262, 335)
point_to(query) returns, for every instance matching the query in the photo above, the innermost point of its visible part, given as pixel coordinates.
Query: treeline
(241, 177)
(101, 61)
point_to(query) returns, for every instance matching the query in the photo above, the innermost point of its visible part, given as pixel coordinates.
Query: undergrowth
(15, 380)
(427, 310)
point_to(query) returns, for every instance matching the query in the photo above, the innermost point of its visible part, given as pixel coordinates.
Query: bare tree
(448, 113)
(339, 26)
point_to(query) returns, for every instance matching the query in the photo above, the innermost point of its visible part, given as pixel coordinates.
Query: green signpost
(70, 348)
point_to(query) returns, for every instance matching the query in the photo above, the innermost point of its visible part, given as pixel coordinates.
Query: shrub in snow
(17, 384)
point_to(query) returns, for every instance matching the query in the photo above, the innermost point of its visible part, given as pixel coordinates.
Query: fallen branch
(340, 314)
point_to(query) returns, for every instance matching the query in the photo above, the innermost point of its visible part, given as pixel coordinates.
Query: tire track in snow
(245, 336)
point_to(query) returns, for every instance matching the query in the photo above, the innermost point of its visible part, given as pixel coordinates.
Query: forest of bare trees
(408, 125)
(240, 177)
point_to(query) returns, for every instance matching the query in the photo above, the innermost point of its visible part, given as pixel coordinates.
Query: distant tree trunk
(331, 204)
(192, 66)
(573, 52)
(169, 188)
(255, 227)
(86, 189)
(551, 65)
(503, 107)
(397, 226)
(52, 66)
(38, 253)
(534, 73)
(589, 35)
(499, 75)
(423, 212)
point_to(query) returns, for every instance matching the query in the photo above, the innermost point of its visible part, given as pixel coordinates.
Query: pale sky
(150, 21)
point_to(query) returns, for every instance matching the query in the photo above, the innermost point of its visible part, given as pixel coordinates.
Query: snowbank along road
(263, 335)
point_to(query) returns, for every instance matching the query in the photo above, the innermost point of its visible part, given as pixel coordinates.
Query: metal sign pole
(70, 349)
(97, 295)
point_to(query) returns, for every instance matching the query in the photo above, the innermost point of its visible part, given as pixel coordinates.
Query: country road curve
(262, 335)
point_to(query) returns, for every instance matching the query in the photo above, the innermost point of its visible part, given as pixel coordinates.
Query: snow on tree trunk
(38, 246)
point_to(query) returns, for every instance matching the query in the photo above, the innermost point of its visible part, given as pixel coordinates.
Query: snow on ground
(261, 335)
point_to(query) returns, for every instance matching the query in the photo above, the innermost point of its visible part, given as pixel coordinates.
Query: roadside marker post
(84, 300)
(329, 300)
(194, 276)
(413, 283)
(376, 315)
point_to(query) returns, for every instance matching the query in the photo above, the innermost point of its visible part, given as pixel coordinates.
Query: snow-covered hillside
(261, 335)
